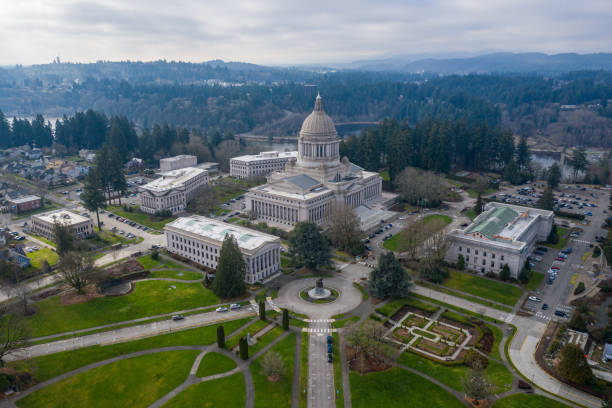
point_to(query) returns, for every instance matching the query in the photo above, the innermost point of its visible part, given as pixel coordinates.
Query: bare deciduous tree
(476, 384)
(272, 366)
(344, 229)
(78, 270)
(13, 333)
(420, 187)
(368, 343)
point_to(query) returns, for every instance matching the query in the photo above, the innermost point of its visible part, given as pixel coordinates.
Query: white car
(234, 306)
(535, 298)
(222, 309)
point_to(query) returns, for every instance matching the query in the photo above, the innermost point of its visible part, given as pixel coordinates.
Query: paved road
(320, 372)
(128, 333)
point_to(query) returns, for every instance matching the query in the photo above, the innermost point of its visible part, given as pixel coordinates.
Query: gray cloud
(285, 32)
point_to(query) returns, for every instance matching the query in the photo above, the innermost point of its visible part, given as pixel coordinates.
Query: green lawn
(535, 281)
(134, 382)
(252, 329)
(395, 242)
(486, 288)
(471, 213)
(472, 193)
(398, 388)
(303, 401)
(343, 322)
(465, 296)
(226, 392)
(394, 305)
(214, 363)
(141, 218)
(148, 299)
(275, 394)
(174, 274)
(452, 375)
(52, 365)
(337, 372)
(498, 338)
(266, 339)
(42, 239)
(527, 401)
(147, 262)
(38, 257)
(364, 293)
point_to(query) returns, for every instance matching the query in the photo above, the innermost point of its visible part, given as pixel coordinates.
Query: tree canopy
(309, 246)
(231, 270)
(389, 278)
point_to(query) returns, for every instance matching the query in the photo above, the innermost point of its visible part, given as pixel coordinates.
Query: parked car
(330, 359)
(535, 298)
(560, 313)
(544, 306)
(234, 306)
(330, 339)
(222, 309)
(178, 317)
(559, 259)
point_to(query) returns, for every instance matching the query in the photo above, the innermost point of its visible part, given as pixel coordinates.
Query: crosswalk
(318, 330)
(541, 315)
(319, 320)
(582, 241)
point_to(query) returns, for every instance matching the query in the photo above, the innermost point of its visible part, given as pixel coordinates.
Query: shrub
(579, 289)
(155, 255)
(475, 360)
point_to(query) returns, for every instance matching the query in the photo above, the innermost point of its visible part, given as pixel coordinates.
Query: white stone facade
(177, 162)
(259, 165)
(200, 239)
(44, 224)
(315, 180)
(502, 234)
(172, 190)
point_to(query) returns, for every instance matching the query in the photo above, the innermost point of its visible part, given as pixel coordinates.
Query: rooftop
(64, 216)
(23, 199)
(177, 158)
(246, 238)
(266, 156)
(173, 179)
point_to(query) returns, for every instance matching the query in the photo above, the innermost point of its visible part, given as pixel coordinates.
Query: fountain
(319, 292)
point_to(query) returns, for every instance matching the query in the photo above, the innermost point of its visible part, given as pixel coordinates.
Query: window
(492, 264)
(502, 257)
(475, 252)
(484, 261)
(467, 259)
(484, 253)
(493, 256)
(468, 250)
(459, 249)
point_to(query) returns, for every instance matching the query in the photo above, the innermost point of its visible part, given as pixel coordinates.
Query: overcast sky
(294, 31)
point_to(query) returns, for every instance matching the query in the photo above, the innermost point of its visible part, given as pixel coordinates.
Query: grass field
(275, 394)
(337, 372)
(485, 288)
(214, 363)
(452, 375)
(467, 297)
(303, 402)
(394, 305)
(398, 388)
(535, 281)
(148, 299)
(177, 274)
(52, 365)
(38, 257)
(141, 218)
(395, 242)
(147, 262)
(226, 392)
(527, 401)
(471, 213)
(134, 382)
(43, 239)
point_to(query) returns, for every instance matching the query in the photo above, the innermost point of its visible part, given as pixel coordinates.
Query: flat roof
(179, 157)
(246, 238)
(173, 179)
(266, 156)
(307, 195)
(64, 216)
(23, 199)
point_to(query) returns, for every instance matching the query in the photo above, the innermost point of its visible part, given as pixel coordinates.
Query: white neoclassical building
(502, 234)
(44, 224)
(316, 179)
(172, 190)
(177, 162)
(259, 165)
(200, 239)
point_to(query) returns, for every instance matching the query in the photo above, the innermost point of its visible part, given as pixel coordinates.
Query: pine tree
(554, 176)
(308, 244)
(573, 365)
(93, 196)
(231, 270)
(389, 278)
(221, 337)
(478, 206)
(547, 201)
(460, 262)
(505, 273)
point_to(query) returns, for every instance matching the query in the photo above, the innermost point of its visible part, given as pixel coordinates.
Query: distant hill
(494, 62)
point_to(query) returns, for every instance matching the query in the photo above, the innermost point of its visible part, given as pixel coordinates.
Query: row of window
(484, 253)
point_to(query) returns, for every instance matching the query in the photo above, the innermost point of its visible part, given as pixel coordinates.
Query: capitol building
(314, 181)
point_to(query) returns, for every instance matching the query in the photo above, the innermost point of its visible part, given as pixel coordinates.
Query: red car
(555, 267)
(560, 259)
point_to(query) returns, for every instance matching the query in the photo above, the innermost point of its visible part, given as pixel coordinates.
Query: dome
(318, 125)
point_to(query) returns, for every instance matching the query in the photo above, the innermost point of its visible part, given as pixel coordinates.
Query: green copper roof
(494, 223)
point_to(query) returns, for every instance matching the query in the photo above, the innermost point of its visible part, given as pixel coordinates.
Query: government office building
(502, 234)
(172, 190)
(44, 224)
(259, 165)
(200, 239)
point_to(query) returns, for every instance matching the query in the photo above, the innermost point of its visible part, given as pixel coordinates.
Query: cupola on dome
(318, 125)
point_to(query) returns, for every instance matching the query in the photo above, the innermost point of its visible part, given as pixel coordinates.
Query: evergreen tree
(231, 270)
(579, 161)
(93, 196)
(220, 337)
(5, 132)
(308, 244)
(523, 156)
(573, 365)
(460, 262)
(285, 319)
(547, 201)
(504, 274)
(553, 235)
(554, 176)
(64, 238)
(262, 310)
(478, 207)
(389, 278)
(244, 348)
